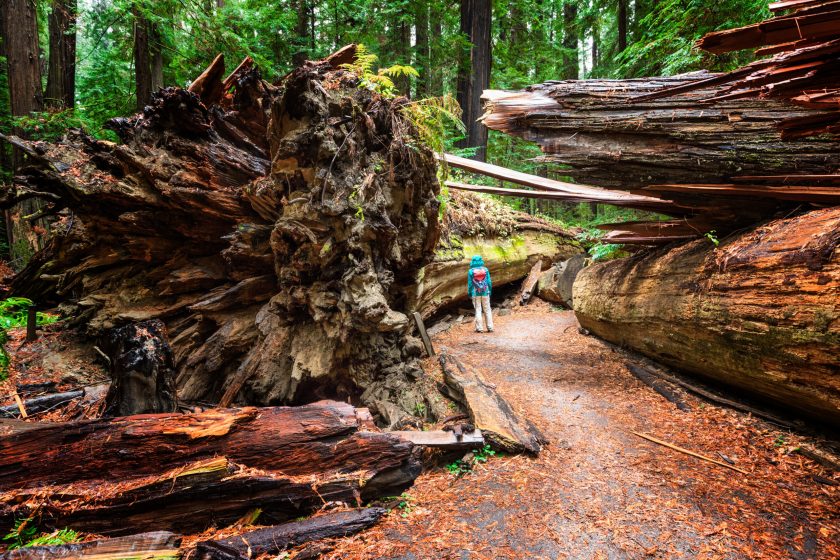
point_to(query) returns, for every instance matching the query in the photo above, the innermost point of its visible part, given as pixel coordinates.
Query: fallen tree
(608, 138)
(276, 231)
(758, 313)
(184, 472)
(510, 242)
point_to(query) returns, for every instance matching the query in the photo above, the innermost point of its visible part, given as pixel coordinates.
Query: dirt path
(598, 491)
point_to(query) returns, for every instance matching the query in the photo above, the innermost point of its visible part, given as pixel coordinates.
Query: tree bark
(436, 57)
(273, 540)
(474, 71)
(160, 544)
(182, 472)
(622, 25)
(142, 60)
(571, 60)
(61, 68)
(422, 51)
(610, 140)
(757, 313)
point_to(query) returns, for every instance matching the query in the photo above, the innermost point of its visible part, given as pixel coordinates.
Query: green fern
(378, 81)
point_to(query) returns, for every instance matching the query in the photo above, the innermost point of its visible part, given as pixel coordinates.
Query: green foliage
(463, 467)
(24, 534)
(377, 80)
(712, 237)
(605, 251)
(13, 314)
(23, 531)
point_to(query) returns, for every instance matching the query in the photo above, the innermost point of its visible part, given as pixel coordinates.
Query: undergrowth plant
(25, 533)
(463, 467)
(379, 81)
(13, 314)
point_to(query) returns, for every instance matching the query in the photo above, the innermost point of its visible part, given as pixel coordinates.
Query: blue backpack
(480, 281)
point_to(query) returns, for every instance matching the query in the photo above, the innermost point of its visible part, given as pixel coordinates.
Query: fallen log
(160, 544)
(510, 242)
(658, 385)
(183, 472)
(273, 540)
(757, 313)
(530, 283)
(41, 404)
(611, 136)
(488, 411)
(555, 284)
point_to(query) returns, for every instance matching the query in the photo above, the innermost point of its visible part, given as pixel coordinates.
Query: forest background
(69, 63)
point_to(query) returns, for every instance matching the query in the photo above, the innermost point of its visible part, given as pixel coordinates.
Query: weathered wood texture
(529, 285)
(488, 411)
(142, 370)
(273, 540)
(275, 231)
(609, 139)
(759, 313)
(183, 472)
(145, 546)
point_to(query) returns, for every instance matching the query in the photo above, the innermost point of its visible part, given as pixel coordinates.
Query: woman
(479, 287)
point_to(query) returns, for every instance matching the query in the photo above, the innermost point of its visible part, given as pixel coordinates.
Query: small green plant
(712, 237)
(60, 536)
(405, 505)
(463, 467)
(420, 410)
(604, 251)
(481, 455)
(23, 531)
(380, 80)
(780, 441)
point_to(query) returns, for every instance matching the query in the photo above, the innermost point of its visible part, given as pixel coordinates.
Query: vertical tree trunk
(596, 39)
(422, 54)
(400, 46)
(61, 69)
(622, 25)
(435, 58)
(20, 39)
(571, 62)
(155, 56)
(142, 62)
(474, 71)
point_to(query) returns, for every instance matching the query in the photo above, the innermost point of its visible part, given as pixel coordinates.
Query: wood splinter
(687, 452)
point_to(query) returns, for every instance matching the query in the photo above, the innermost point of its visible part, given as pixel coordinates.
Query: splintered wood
(726, 150)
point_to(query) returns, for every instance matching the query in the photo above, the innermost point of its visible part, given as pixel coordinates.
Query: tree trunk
(142, 60)
(160, 544)
(571, 61)
(757, 313)
(279, 252)
(182, 472)
(422, 51)
(61, 69)
(274, 540)
(436, 57)
(155, 56)
(610, 140)
(20, 37)
(622, 25)
(474, 71)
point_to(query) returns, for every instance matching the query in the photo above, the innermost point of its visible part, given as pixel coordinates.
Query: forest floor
(598, 491)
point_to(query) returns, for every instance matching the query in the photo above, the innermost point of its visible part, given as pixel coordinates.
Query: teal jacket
(478, 263)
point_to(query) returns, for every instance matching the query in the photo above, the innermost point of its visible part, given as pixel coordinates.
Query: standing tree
(20, 39)
(422, 53)
(571, 61)
(142, 58)
(61, 68)
(622, 25)
(474, 71)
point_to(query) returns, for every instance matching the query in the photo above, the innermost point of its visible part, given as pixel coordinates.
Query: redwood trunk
(181, 472)
(607, 139)
(474, 71)
(758, 313)
(142, 59)
(61, 69)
